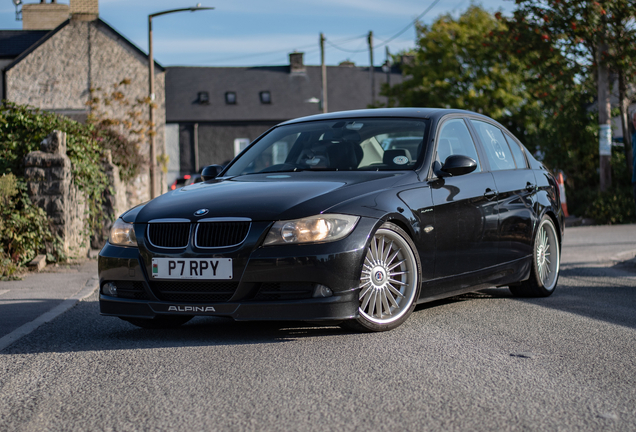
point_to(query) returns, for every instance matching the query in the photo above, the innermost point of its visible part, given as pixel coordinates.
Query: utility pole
(151, 109)
(323, 71)
(370, 40)
(604, 119)
(625, 120)
(388, 64)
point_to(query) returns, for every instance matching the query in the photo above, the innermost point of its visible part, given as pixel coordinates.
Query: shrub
(25, 228)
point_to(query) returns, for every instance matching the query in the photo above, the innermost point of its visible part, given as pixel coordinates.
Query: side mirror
(457, 165)
(210, 172)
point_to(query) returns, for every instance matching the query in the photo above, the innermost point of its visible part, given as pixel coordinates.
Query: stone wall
(115, 202)
(58, 75)
(50, 187)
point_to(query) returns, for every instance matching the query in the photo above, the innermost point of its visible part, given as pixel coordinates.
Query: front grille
(194, 292)
(285, 291)
(221, 234)
(131, 290)
(169, 235)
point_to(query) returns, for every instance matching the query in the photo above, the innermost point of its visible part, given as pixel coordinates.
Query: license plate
(192, 268)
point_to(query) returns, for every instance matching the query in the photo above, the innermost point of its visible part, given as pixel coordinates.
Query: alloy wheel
(547, 255)
(389, 278)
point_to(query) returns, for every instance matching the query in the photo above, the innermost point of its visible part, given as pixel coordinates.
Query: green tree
(456, 64)
(560, 41)
(520, 76)
(583, 32)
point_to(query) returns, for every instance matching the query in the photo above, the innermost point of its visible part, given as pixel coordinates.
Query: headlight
(122, 234)
(314, 229)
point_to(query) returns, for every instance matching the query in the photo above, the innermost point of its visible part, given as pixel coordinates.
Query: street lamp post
(151, 85)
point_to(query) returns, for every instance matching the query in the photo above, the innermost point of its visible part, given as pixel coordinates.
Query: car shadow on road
(483, 294)
(602, 293)
(83, 329)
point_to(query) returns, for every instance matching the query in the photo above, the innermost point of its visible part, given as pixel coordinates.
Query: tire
(546, 259)
(389, 281)
(160, 321)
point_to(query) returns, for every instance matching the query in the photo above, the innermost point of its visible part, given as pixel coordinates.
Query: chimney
(84, 10)
(43, 16)
(296, 65)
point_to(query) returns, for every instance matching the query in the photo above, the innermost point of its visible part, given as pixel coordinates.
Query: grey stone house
(55, 68)
(213, 112)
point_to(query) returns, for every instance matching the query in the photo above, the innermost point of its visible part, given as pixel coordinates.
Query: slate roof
(348, 88)
(23, 42)
(15, 42)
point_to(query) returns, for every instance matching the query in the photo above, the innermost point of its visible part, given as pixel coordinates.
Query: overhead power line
(340, 41)
(345, 49)
(412, 23)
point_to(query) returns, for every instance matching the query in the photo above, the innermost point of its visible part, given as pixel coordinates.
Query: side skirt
(501, 275)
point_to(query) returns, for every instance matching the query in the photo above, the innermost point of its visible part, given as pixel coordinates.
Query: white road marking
(88, 289)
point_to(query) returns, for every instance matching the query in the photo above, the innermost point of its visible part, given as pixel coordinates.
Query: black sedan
(328, 218)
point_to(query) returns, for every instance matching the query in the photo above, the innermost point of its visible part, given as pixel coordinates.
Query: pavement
(41, 297)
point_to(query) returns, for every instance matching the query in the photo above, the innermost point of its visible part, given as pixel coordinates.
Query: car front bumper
(276, 282)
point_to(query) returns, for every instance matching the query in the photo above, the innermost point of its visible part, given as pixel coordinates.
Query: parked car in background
(352, 217)
(180, 182)
(186, 180)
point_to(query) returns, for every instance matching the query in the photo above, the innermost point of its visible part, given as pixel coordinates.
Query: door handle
(490, 194)
(530, 187)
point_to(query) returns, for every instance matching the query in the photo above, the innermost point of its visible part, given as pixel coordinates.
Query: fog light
(322, 291)
(110, 289)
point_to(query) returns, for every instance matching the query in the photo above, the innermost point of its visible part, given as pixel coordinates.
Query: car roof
(425, 113)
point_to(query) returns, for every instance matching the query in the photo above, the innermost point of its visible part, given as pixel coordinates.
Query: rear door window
(497, 150)
(520, 159)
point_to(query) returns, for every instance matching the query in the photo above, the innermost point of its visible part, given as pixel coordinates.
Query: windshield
(368, 144)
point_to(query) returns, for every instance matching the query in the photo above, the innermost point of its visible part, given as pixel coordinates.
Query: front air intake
(169, 235)
(221, 234)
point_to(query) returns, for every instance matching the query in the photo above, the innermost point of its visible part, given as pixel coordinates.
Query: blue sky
(263, 32)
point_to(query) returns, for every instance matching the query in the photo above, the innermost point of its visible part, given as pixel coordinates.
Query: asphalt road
(483, 361)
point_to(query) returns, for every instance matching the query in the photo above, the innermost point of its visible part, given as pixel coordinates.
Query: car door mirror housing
(457, 165)
(210, 172)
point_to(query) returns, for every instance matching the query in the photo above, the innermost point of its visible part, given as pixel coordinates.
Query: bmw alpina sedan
(352, 217)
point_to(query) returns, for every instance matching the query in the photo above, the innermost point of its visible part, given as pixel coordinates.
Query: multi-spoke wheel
(545, 263)
(389, 281)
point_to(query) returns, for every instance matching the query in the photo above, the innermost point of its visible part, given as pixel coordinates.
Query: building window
(240, 144)
(266, 97)
(230, 98)
(203, 98)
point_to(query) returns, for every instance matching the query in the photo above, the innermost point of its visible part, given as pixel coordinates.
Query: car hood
(267, 197)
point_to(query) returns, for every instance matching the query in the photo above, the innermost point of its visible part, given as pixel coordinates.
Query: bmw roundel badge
(201, 212)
